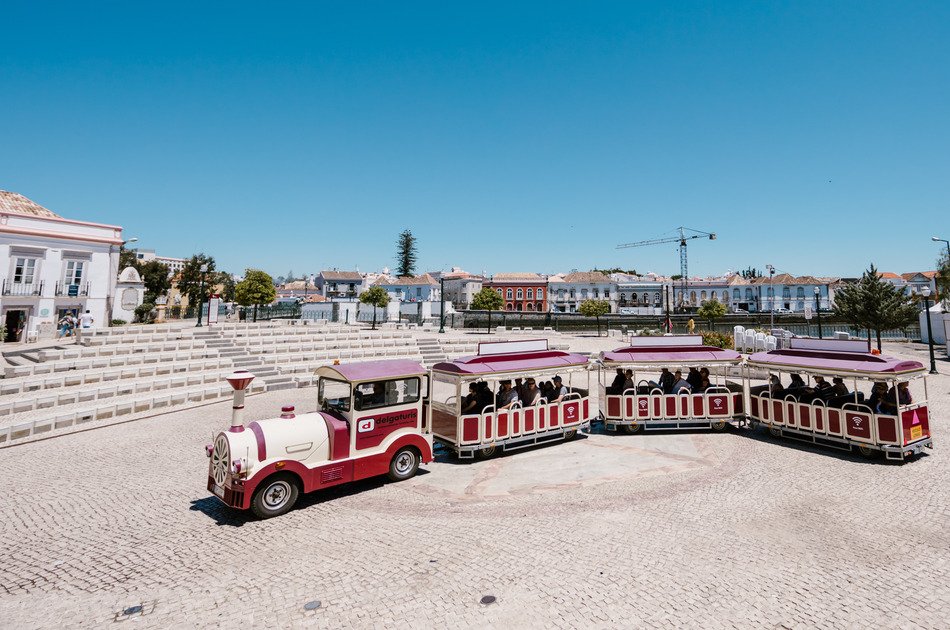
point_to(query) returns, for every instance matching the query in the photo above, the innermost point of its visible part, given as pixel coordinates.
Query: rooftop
(342, 275)
(15, 203)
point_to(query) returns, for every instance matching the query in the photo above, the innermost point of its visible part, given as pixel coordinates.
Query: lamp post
(771, 297)
(937, 239)
(306, 283)
(930, 338)
(818, 308)
(201, 292)
(442, 304)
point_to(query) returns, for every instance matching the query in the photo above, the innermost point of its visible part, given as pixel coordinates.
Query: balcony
(22, 289)
(72, 290)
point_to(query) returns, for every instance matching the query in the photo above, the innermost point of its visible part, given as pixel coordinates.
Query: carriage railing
(716, 402)
(492, 424)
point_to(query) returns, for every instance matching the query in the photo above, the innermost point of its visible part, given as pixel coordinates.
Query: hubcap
(276, 495)
(404, 462)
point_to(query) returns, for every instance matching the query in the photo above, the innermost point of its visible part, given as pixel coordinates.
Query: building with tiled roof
(340, 285)
(422, 288)
(566, 292)
(50, 265)
(520, 291)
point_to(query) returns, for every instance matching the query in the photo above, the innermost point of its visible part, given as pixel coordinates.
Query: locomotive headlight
(209, 448)
(237, 466)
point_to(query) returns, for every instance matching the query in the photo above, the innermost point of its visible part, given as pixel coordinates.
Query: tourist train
(383, 417)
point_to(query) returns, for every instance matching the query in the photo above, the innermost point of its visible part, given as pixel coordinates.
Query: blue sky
(508, 136)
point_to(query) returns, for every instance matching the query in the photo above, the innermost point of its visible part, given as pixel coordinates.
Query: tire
(867, 452)
(275, 496)
(488, 452)
(570, 435)
(630, 429)
(719, 426)
(404, 465)
(775, 432)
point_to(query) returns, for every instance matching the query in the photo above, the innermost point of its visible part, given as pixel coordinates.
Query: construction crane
(682, 238)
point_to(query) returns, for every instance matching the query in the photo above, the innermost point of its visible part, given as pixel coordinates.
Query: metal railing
(22, 288)
(72, 290)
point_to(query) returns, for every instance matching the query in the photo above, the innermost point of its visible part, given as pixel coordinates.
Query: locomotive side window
(376, 394)
(334, 395)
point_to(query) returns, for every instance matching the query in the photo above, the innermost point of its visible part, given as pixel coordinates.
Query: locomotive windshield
(334, 395)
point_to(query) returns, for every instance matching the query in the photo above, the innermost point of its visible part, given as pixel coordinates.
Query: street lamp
(937, 239)
(930, 337)
(818, 309)
(201, 292)
(442, 305)
(771, 297)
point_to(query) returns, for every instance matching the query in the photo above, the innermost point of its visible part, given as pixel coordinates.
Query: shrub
(718, 339)
(119, 322)
(143, 312)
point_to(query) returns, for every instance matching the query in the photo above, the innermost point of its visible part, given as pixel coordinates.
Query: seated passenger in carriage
(617, 386)
(694, 378)
(628, 380)
(546, 390)
(704, 385)
(839, 388)
(558, 392)
(485, 397)
(821, 386)
(470, 402)
(530, 395)
(666, 381)
(877, 396)
(901, 397)
(506, 397)
(679, 384)
(797, 383)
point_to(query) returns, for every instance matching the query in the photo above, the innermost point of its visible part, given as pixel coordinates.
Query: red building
(521, 291)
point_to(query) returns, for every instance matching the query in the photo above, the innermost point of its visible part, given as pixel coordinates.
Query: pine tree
(406, 255)
(875, 305)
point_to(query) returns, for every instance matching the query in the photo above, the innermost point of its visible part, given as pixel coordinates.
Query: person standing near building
(85, 323)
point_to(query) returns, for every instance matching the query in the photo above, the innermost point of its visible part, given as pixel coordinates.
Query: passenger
(839, 388)
(877, 396)
(531, 394)
(506, 397)
(666, 381)
(821, 385)
(546, 390)
(894, 398)
(775, 385)
(558, 392)
(704, 373)
(679, 384)
(379, 394)
(617, 386)
(705, 384)
(628, 380)
(484, 396)
(797, 382)
(519, 386)
(694, 378)
(470, 402)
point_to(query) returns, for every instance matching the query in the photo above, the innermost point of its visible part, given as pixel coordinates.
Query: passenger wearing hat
(559, 391)
(839, 388)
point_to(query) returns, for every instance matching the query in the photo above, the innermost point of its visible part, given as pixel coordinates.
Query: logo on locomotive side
(365, 425)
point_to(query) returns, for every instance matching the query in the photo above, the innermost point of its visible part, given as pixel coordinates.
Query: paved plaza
(114, 526)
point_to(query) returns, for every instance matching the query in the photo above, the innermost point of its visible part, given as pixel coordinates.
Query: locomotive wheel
(719, 426)
(775, 431)
(275, 496)
(404, 465)
(570, 435)
(487, 452)
(867, 452)
(630, 429)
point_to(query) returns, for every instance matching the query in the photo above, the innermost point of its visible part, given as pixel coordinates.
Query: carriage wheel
(634, 427)
(487, 452)
(570, 435)
(867, 452)
(719, 426)
(775, 431)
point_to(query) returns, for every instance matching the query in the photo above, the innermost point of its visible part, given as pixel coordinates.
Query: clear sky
(508, 136)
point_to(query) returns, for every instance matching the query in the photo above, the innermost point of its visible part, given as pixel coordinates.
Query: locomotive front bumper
(231, 493)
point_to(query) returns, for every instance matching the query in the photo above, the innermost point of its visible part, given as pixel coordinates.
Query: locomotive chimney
(240, 380)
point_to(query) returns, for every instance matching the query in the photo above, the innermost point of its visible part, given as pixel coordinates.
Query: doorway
(15, 322)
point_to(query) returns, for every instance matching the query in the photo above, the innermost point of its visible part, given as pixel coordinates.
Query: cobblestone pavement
(114, 526)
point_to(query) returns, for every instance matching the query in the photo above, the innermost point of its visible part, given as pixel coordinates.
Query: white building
(566, 292)
(460, 287)
(174, 265)
(51, 265)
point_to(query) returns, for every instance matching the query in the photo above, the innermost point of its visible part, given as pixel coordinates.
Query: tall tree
(256, 289)
(226, 281)
(487, 300)
(594, 308)
(406, 255)
(750, 272)
(943, 277)
(155, 276)
(711, 311)
(875, 305)
(377, 298)
(127, 258)
(189, 281)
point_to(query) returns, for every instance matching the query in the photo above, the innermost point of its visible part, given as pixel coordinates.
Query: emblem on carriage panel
(643, 404)
(366, 425)
(856, 421)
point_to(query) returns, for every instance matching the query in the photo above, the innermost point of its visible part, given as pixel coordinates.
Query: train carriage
(647, 406)
(894, 421)
(489, 429)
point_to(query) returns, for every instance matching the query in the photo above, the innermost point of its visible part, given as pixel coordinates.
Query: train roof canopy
(512, 356)
(680, 355)
(835, 362)
(372, 370)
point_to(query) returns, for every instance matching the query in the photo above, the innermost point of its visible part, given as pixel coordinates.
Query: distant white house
(422, 288)
(566, 292)
(51, 265)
